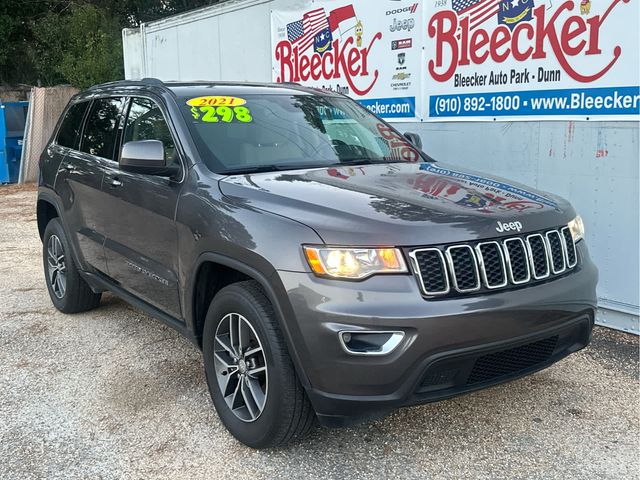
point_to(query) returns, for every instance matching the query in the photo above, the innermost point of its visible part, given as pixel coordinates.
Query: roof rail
(148, 81)
(152, 81)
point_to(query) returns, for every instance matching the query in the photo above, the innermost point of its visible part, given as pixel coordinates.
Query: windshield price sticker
(216, 101)
(223, 114)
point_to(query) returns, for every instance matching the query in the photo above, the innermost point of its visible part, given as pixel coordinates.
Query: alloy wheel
(56, 266)
(241, 367)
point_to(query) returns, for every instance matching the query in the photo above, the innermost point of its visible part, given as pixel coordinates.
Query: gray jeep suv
(326, 266)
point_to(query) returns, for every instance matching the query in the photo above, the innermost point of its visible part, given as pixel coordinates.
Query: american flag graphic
(478, 11)
(302, 32)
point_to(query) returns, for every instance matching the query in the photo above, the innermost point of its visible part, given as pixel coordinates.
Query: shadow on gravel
(617, 351)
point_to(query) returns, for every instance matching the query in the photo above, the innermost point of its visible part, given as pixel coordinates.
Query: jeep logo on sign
(399, 25)
(508, 227)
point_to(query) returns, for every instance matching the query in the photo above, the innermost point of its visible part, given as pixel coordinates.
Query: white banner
(453, 60)
(369, 50)
(525, 59)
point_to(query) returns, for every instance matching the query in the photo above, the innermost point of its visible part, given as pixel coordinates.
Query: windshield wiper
(269, 168)
(359, 161)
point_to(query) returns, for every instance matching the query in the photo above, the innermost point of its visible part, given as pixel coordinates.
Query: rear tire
(284, 413)
(67, 289)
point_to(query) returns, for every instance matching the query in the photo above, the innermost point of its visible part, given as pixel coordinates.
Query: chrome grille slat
(517, 261)
(464, 274)
(482, 249)
(495, 264)
(571, 256)
(425, 260)
(556, 252)
(537, 241)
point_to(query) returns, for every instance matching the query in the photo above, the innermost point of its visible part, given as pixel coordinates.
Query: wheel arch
(201, 292)
(46, 210)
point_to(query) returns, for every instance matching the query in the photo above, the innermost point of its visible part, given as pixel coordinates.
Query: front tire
(250, 375)
(68, 291)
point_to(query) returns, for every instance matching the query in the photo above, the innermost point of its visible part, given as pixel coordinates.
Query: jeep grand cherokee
(326, 266)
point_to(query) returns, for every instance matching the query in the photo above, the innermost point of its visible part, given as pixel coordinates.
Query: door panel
(141, 245)
(79, 186)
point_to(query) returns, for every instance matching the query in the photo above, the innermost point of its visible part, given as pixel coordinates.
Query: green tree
(50, 42)
(83, 47)
(15, 36)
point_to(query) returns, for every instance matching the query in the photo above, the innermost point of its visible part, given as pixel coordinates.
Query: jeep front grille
(495, 264)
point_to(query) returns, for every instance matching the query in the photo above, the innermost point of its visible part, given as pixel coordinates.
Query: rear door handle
(115, 183)
(69, 167)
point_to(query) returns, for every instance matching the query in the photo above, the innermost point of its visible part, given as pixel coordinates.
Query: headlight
(354, 263)
(576, 226)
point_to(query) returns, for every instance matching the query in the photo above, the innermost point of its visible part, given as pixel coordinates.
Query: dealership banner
(525, 59)
(461, 60)
(369, 50)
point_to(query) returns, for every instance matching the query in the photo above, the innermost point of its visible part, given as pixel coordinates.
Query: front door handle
(115, 183)
(69, 167)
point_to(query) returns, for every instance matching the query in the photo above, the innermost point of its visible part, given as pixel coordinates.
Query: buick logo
(508, 227)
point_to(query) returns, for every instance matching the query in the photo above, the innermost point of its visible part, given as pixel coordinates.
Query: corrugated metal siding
(593, 164)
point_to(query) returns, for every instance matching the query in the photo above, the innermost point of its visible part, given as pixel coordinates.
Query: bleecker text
(346, 60)
(458, 45)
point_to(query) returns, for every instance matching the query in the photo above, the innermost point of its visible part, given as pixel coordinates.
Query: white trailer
(594, 164)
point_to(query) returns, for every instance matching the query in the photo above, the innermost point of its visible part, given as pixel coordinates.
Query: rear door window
(69, 133)
(146, 122)
(100, 132)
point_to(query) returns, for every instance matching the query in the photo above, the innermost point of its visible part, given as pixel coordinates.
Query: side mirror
(414, 139)
(146, 156)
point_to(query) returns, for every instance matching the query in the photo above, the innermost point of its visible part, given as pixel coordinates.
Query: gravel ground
(114, 394)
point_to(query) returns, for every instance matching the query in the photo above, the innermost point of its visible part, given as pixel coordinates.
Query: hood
(400, 204)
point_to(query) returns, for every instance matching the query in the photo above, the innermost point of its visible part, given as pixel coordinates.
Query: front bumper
(450, 346)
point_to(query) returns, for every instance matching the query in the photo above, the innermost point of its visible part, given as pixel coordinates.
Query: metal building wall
(593, 164)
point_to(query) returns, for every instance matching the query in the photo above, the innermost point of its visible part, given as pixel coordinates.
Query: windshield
(279, 132)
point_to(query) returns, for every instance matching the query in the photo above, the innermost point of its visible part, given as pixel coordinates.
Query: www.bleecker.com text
(513, 76)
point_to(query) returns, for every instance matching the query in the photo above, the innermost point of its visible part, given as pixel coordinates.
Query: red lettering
(352, 66)
(304, 67)
(479, 38)
(547, 31)
(444, 36)
(336, 49)
(316, 63)
(327, 72)
(457, 45)
(283, 55)
(518, 54)
(342, 60)
(500, 37)
(464, 40)
(349, 76)
(573, 27)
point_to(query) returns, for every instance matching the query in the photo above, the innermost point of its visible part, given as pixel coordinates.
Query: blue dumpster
(13, 116)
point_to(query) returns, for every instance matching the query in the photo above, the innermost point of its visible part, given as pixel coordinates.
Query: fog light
(370, 342)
